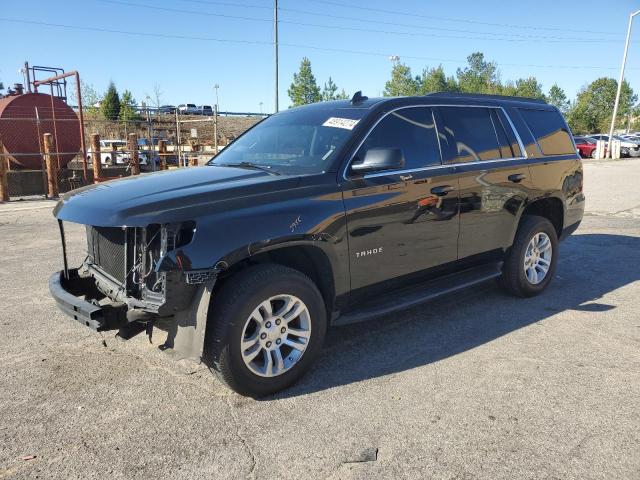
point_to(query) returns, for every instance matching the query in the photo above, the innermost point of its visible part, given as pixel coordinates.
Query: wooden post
(162, 153)
(195, 149)
(132, 146)
(96, 157)
(52, 177)
(4, 180)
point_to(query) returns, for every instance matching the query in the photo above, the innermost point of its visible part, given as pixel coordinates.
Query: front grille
(106, 247)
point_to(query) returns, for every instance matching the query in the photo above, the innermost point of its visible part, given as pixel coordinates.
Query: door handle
(442, 190)
(517, 177)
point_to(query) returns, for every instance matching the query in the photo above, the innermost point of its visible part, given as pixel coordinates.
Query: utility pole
(617, 103)
(275, 37)
(216, 86)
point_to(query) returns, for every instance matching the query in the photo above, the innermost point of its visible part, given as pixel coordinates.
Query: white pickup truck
(114, 152)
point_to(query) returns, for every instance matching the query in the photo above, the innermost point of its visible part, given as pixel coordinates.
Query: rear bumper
(72, 294)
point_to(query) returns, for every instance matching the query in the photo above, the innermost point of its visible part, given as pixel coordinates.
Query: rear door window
(412, 130)
(550, 131)
(471, 132)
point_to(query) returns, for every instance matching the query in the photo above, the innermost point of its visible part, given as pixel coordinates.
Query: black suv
(323, 215)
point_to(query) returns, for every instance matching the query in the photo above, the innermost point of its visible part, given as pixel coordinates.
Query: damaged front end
(125, 263)
(125, 283)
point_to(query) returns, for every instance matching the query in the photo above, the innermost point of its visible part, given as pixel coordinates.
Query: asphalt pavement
(477, 385)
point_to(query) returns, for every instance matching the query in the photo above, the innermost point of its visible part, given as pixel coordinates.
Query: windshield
(300, 141)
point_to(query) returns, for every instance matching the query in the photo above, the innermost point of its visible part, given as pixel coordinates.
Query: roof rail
(485, 96)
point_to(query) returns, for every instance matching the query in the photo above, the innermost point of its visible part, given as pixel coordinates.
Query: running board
(424, 292)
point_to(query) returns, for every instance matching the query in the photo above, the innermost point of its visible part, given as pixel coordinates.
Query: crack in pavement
(243, 441)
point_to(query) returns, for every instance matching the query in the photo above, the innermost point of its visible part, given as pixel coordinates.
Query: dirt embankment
(164, 126)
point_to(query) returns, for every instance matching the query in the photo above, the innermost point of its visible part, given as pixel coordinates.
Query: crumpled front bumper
(78, 297)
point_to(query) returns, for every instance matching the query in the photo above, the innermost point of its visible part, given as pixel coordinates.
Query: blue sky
(540, 38)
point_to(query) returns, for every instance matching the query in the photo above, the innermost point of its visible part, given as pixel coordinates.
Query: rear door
(401, 223)
(494, 178)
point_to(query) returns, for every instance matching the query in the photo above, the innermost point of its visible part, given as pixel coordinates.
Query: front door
(401, 223)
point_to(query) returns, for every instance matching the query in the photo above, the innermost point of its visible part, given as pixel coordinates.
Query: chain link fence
(190, 140)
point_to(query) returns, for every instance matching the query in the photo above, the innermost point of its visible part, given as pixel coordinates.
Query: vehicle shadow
(590, 266)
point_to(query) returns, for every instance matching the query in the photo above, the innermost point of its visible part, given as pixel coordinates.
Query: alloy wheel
(537, 258)
(276, 335)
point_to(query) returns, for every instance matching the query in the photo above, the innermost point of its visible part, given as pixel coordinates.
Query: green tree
(304, 89)
(529, 87)
(329, 92)
(343, 95)
(435, 80)
(508, 88)
(110, 105)
(90, 97)
(558, 98)
(479, 76)
(128, 107)
(401, 83)
(593, 107)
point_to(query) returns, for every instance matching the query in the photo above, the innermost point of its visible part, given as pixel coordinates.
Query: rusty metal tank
(23, 121)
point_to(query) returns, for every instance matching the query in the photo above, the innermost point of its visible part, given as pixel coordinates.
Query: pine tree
(435, 80)
(304, 89)
(479, 76)
(402, 82)
(110, 105)
(558, 98)
(529, 87)
(343, 95)
(329, 91)
(127, 106)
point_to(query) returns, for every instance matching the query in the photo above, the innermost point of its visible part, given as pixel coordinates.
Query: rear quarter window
(549, 130)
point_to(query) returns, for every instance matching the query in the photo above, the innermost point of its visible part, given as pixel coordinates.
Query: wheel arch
(309, 259)
(551, 208)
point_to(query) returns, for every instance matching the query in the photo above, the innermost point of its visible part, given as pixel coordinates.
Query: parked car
(205, 110)
(188, 109)
(167, 109)
(322, 215)
(631, 138)
(586, 146)
(627, 148)
(112, 152)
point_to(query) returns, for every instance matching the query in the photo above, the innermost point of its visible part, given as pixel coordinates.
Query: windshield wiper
(255, 166)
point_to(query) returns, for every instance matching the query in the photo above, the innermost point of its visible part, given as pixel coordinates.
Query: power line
(355, 29)
(395, 24)
(291, 45)
(450, 19)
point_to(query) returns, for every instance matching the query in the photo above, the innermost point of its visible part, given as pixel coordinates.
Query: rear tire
(531, 261)
(266, 327)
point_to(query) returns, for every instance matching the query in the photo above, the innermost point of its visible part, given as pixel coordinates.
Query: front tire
(266, 327)
(531, 261)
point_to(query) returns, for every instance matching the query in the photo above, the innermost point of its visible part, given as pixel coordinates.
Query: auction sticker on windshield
(346, 123)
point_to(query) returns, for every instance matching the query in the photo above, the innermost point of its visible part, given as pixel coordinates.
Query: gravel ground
(491, 387)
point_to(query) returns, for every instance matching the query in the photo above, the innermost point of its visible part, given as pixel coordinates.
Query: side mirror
(377, 159)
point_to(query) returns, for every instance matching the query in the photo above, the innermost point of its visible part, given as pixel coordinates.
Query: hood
(163, 197)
